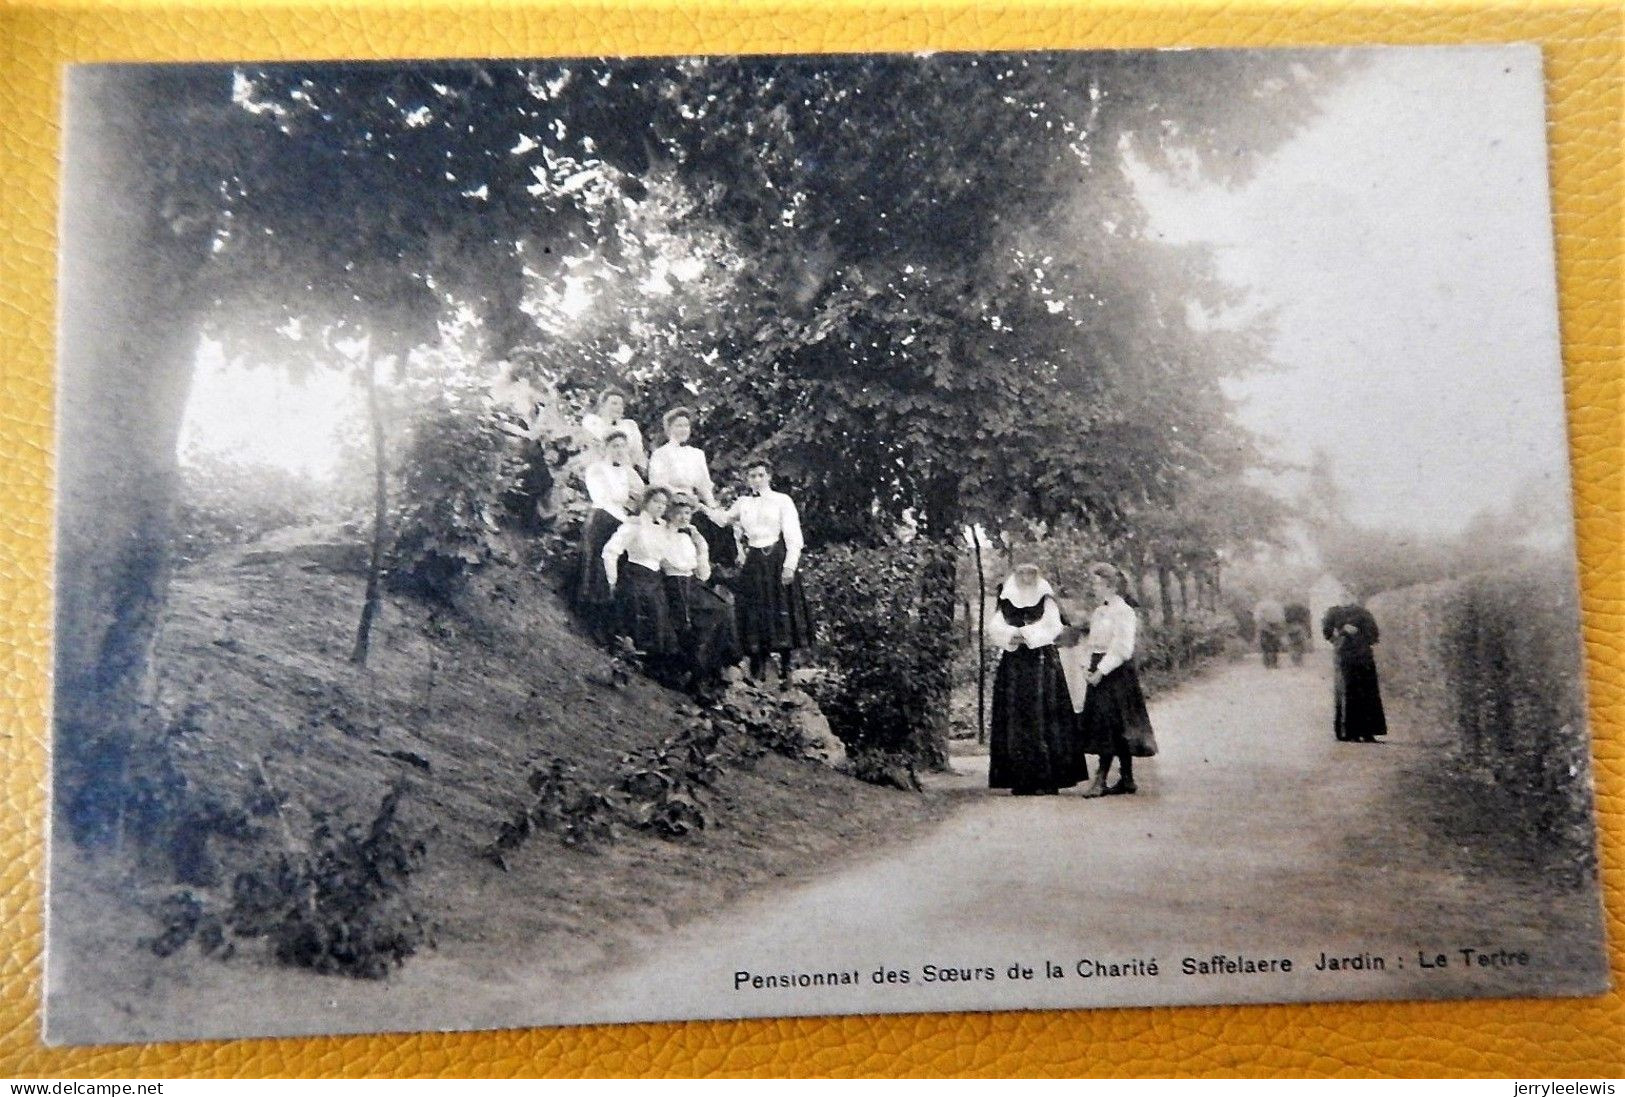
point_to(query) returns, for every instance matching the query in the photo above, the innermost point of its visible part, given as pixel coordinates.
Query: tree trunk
(981, 641)
(380, 520)
(1184, 596)
(1164, 576)
(938, 593)
(130, 322)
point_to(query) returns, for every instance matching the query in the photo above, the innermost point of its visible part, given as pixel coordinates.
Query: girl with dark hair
(770, 604)
(1032, 745)
(683, 468)
(702, 620)
(640, 592)
(614, 489)
(611, 416)
(1114, 723)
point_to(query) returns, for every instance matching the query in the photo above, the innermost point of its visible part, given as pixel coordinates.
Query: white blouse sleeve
(705, 488)
(1000, 633)
(660, 467)
(1125, 623)
(606, 487)
(790, 526)
(618, 543)
(634, 445)
(1044, 630)
(702, 570)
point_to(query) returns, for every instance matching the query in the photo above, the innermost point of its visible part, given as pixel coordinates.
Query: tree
(844, 252)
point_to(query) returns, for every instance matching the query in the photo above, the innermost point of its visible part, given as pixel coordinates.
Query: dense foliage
(882, 648)
(455, 469)
(1493, 660)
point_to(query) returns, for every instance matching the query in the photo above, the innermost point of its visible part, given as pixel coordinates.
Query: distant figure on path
(1033, 742)
(1114, 723)
(1352, 632)
(1270, 621)
(1298, 626)
(770, 603)
(611, 416)
(614, 488)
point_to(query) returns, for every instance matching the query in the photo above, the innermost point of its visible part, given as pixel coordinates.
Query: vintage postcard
(555, 541)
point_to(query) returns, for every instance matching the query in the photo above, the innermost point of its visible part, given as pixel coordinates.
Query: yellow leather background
(1582, 43)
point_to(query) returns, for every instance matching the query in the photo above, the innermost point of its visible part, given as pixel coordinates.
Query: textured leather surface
(1582, 44)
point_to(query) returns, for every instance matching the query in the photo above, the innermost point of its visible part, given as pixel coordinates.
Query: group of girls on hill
(1062, 694)
(645, 569)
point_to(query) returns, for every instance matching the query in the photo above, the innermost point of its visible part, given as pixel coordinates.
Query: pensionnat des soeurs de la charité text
(1138, 967)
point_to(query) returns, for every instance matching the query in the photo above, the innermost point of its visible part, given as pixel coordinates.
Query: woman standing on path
(770, 604)
(1114, 722)
(1032, 746)
(614, 489)
(640, 600)
(1352, 632)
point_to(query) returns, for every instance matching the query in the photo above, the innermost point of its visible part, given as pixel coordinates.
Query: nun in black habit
(1033, 745)
(1352, 632)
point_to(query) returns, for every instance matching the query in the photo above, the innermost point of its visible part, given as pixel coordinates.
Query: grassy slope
(258, 651)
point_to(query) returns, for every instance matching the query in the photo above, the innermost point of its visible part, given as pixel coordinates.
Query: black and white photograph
(596, 540)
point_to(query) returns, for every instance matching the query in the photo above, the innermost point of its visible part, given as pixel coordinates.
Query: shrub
(1494, 660)
(891, 659)
(1166, 654)
(336, 905)
(455, 468)
(340, 906)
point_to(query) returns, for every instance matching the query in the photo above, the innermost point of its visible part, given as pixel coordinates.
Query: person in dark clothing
(1033, 748)
(770, 604)
(1352, 632)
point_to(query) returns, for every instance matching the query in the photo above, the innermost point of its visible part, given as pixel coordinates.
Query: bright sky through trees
(262, 415)
(1403, 242)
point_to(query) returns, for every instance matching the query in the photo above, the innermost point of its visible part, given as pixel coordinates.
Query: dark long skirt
(704, 625)
(772, 614)
(1359, 712)
(643, 613)
(592, 585)
(1032, 742)
(1114, 720)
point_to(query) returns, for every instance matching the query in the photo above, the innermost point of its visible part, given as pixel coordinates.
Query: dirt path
(1254, 835)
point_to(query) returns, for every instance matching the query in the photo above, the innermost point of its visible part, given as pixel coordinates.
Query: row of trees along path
(801, 249)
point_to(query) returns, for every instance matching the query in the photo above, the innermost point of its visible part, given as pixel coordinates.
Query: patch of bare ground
(253, 665)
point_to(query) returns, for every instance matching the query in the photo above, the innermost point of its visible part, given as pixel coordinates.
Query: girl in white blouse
(770, 603)
(614, 488)
(679, 466)
(703, 621)
(644, 540)
(611, 416)
(684, 469)
(1114, 723)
